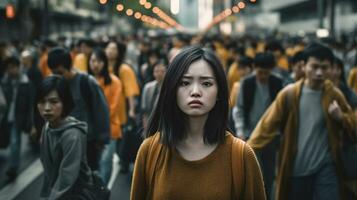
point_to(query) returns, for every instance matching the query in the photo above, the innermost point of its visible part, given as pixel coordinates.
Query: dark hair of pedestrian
(61, 86)
(87, 41)
(297, 57)
(161, 62)
(274, 45)
(245, 61)
(100, 54)
(168, 119)
(339, 63)
(318, 51)
(12, 60)
(121, 46)
(59, 56)
(264, 60)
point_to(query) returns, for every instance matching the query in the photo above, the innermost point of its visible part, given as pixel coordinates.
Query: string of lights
(156, 10)
(144, 18)
(138, 15)
(228, 12)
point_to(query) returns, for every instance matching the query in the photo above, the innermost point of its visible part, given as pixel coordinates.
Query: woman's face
(197, 91)
(51, 107)
(112, 51)
(95, 64)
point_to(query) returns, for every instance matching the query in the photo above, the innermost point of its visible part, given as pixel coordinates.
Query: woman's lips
(195, 103)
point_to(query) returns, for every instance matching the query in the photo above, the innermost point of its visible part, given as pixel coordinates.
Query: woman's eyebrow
(201, 77)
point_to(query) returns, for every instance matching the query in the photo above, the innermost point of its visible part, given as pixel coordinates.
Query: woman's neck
(111, 63)
(57, 123)
(97, 76)
(195, 129)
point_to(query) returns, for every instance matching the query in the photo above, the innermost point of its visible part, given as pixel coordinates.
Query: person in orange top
(112, 88)
(189, 153)
(80, 62)
(115, 52)
(233, 74)
(245, 67)
(43, 66)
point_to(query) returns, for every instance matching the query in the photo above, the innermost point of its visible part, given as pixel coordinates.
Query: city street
(212, 99)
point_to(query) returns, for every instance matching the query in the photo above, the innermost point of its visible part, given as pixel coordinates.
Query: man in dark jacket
(256, 94)
(29, 67)
(18, 92)
(90, 103)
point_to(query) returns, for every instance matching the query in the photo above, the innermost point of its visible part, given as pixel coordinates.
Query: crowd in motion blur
(292, 100)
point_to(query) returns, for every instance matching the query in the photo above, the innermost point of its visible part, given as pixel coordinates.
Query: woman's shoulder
(238, 145)
(152, 141)
(150, 147)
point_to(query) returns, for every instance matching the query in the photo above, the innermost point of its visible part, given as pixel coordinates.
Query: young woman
(112, 88)
(63, 142)
(115, 52)
(189, 153)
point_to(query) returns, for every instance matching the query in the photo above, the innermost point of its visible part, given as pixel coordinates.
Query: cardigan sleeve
(254, 185)
(349, 118)
(139, 188)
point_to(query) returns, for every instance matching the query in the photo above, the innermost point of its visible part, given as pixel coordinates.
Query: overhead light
(175, 7)
(129, 12)
(322, 33)
(103, 2)
(120, 7)
(241, 5)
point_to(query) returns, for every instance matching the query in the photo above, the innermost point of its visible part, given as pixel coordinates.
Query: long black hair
(121, 47)
(100, 54)
(169, 120)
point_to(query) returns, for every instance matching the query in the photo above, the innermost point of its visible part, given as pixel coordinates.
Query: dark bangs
(59, 84)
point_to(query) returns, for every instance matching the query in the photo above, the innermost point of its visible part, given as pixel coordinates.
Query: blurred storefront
(34, 19)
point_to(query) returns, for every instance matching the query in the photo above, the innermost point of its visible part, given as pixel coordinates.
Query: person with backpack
(90, 104)
(314, 118)
(189, 152)
(63, 144)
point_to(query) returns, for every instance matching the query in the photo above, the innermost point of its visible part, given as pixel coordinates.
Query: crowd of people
(230, 117)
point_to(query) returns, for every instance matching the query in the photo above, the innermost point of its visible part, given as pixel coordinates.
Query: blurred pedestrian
(127, 104)
(81, 60)
(256, 93)
(18, 117)
(297, 65)
(112, 88)
(151, 91)
(30, 68)
(189, 152)
(338, 78)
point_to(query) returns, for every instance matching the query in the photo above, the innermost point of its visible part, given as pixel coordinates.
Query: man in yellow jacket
(314, 116)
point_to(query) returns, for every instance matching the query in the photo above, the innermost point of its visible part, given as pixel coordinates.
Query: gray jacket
(63, 156)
